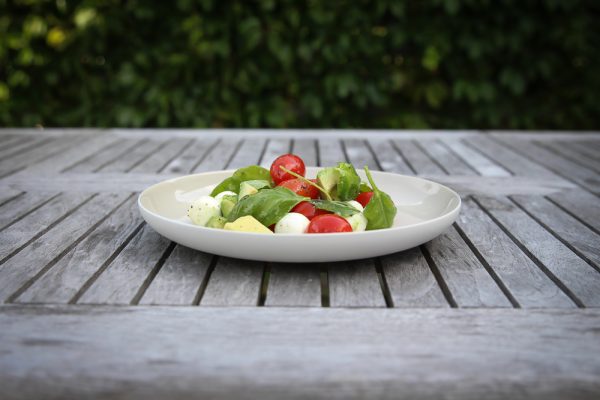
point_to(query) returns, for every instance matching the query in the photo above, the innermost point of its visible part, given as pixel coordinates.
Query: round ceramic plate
(425, 209)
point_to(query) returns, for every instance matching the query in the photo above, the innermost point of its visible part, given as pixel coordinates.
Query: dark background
(339, 64)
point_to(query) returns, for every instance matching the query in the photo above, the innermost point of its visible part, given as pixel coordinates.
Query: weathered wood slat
(36, 223)
(586, 149)
(103, 157)
(418, 161)
(359, 154)
(483, 165)
(69, 275)
(219, 156)
(14, 210)
(468, 282)
(8, 141)
(410, 280)
(126, 275)
(135, 156)
(354, 284)
(330, 152)
(24, 144)
(249, 153)
(508, 159)
(234, 283)
(566, 152)
(585, 206)
(8, 195)
(447, 160)
(162, 157)
(388, 157)
(179, 279)
(191, 157)
(307, 150)
(36, 155)
(79, 352)
(560, 166)
(578, 278)
(275, 148)
(293, 285)
(529, 286)
(581, 239)
(62, 160)
(25, 266)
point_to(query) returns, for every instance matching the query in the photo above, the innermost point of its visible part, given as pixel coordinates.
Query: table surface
(95, 303)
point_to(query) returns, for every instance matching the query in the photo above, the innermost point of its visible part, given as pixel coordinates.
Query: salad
(282, 200)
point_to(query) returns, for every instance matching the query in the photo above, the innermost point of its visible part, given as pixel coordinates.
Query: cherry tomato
(364, 198)
(308, 210)
(301, 188)
(328, 223)
(290, 162)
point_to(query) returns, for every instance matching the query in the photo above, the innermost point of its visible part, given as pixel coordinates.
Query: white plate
(425, 209)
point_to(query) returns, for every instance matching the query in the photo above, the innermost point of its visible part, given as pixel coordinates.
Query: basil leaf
(380, 211)
(268, 206)
(348, 185)
(253, 172)
(259, 184)
(340, 208)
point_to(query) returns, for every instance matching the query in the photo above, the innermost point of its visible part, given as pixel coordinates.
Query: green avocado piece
(227, 204)
(328, 178)
(250, 187)
(216, 222)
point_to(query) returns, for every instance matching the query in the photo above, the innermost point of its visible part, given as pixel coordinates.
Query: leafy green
(252, 172)
(337, 207)
(380, 211)
(259, 184)
(365, 188)
(348, 185)
(268, 206)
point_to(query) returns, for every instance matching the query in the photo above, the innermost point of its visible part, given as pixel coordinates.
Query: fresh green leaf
(380, 211)
(253, 172)
(338, 207)
(348, 185)
(365, 188)
(268, 206)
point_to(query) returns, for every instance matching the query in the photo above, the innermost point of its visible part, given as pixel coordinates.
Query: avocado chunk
(216, 222)
(227, 204)
(250, 187)
(328, 178)
(247, 224)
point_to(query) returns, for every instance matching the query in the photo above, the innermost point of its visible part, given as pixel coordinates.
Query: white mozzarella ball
(219, 197)
(204, 209)
(358, 222)
(292, 223)
(356, 205)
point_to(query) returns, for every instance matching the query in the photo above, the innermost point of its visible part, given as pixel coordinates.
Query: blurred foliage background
(378, 64)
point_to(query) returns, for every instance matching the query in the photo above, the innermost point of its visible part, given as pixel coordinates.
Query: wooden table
(96, 304)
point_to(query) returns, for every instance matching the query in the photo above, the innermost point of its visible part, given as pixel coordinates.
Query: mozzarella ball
(358, 222)
(356, 205)
(219, 197)
(204, 209)
(292, 223)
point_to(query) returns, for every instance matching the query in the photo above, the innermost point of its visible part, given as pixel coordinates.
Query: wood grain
(78, 267)
(578, 278)
(26, 266)
(480, 163)
(307, 150)
(529, 286)
(275, 148)
(354, 284)
(274, 353)
(388, 157)
(294, 285)
(418, 161)
(234, 283)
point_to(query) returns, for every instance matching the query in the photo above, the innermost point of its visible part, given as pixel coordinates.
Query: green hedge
(379, 64)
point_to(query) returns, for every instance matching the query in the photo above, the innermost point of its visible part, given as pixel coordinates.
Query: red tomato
(364, 198)
(328, 223)
(290, 162)
(308, 210)
(301, 188)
